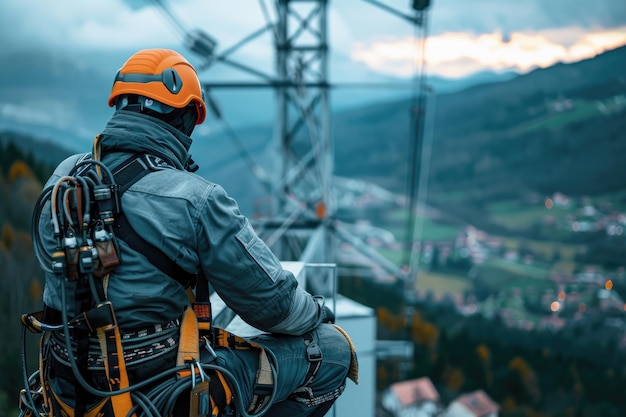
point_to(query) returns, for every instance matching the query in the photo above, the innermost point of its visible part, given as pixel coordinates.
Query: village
(550, 293)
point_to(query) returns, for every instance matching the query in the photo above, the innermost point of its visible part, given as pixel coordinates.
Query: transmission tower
(301, 225)
(303, 200)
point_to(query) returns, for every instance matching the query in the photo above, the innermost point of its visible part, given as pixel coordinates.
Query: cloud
(104, 25)
(357, 30)
(53, 113)
(460, 54)
(368, 24)
(115, 24)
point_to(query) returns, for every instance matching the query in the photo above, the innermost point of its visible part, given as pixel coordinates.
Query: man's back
(133, 323)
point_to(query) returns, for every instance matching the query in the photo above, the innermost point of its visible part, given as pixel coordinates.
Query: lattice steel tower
(300, 224)
(303, 200)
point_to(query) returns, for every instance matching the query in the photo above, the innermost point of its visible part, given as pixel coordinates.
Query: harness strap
(126, 174)
(67, 410)
(353, 372)
(221, 394)
(201, 303)
(44, 370)
(264, 381)
(314, 356)
(263, 385)
(81, 336)
(188, 351)
(115, 367)
(188, 347)
(304, 393)
(305, 396)
(101, 316)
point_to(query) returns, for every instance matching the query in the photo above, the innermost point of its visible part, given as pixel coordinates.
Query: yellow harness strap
(96, 152)
(189, 347)
(228, 394)
(198, 318)
(353, 372)
(115, 366)
(264, 383)
(43, 374)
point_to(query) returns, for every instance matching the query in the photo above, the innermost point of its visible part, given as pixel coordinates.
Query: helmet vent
(172, 80)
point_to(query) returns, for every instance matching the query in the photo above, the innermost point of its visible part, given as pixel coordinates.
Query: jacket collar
(132, 132)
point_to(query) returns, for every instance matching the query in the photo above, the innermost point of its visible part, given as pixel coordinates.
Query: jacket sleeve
(246, 274)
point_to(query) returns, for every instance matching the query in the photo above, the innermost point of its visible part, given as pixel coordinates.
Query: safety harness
(87, 219)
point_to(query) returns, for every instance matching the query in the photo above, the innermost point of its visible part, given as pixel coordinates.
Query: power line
(171, 17)
(414, 162)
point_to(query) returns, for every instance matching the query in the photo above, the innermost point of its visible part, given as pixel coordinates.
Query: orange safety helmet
(162, 75)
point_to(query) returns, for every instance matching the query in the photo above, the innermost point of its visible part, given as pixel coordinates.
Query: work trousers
(288, 355)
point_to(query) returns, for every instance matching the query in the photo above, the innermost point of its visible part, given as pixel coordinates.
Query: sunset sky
(457, 54)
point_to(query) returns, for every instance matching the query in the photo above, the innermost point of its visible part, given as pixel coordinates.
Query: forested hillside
(21, 177)
(554, 129)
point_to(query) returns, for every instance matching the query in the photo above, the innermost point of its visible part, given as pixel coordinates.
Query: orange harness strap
(188, 348)
(115, 366)
(264, 383)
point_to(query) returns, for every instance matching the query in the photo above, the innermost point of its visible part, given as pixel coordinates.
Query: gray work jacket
(196, 224)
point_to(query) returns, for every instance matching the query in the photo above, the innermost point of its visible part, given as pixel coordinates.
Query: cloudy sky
(464, 36)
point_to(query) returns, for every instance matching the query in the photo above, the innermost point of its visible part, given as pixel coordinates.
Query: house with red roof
(473, 404)
(413, 398)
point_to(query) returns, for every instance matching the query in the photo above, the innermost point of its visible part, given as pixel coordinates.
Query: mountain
(559, 128)
(48, 96)
(554, 129)
(45, 151)
(60, 99)
(54, 95)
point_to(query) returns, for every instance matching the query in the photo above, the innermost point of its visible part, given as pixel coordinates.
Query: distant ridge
(492, 136)
(47, 151)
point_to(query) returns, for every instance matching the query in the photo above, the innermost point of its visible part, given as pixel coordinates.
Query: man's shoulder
(66, 166)
(70, 162)
(179, 176)
(170, 182)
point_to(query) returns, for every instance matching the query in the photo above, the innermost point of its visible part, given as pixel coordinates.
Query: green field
(538, 235)
(515, 215)
(439, 284)
(583, 109)
(426, 229)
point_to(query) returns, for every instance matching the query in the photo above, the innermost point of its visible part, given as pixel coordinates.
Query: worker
(201, 239)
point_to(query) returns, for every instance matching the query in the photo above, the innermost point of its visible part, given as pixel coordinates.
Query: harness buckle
(112, 323)
(152, 164)
(85, 258)
(101, 316)
(313, 352)
(59, 264)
